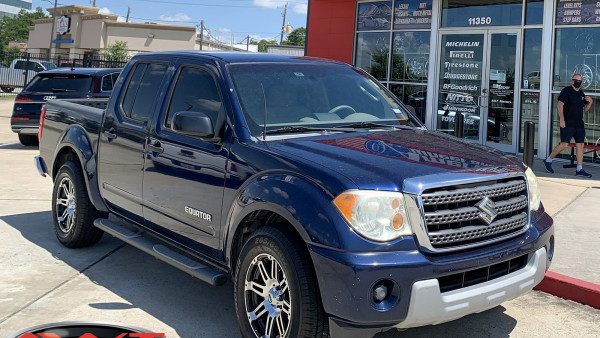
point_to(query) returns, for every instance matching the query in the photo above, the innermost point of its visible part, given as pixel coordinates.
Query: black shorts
(568, 133)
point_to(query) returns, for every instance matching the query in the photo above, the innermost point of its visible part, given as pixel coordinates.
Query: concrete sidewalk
(574, 204)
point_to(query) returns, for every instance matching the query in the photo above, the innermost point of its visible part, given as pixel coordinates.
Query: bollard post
(26, 71)
(528, 143)
(459, 125)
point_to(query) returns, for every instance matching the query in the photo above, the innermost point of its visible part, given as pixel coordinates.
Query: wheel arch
(290, 202)
(74, 143)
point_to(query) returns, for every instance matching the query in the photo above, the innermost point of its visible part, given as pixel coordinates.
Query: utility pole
(128, 13)
(53, 28)
(283, 24)
(248, 43)
(201, 34)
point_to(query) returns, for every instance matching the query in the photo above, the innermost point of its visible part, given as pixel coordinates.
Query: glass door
(499, 92)
(477, 79)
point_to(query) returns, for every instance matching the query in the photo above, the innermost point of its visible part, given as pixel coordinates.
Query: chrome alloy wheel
(66, 205)
(267, 297)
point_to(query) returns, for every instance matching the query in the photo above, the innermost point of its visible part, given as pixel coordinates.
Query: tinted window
(148, 91)
(109, 81)
(60, 83)
(132, 88)
(195, 91)
(20, 65)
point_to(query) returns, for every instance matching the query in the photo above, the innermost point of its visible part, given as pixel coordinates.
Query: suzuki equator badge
(488, 210)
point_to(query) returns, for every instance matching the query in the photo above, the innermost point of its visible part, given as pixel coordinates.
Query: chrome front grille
(453, 220)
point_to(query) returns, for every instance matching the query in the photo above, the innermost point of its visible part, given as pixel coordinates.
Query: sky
(225, 19)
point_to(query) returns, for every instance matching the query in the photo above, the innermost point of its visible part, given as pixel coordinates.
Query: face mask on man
(577, 83)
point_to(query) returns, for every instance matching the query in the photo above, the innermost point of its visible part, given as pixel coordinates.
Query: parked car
(14, 76)
(57, 84)
(332, 209)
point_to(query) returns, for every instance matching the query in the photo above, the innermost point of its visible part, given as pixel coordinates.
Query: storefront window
(410, 56)
(412, 95)
(372, 52)
(374, 16)
(530, 112)
(577, 51)
(534, 12)
(412, 14)
(532, 58)
(477, 13)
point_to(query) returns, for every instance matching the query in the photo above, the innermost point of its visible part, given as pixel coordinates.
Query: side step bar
(162, 252)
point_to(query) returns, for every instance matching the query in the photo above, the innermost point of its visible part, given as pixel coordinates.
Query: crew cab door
(123, 139)
(184, 175)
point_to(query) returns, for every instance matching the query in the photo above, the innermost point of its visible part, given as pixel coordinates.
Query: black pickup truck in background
(61, 83)
(305, 181)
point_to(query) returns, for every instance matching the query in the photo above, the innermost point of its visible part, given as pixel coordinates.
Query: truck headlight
(376, 215)
(535, 197)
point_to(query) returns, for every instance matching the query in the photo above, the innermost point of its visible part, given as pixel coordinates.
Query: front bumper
(429, 306)
(346, 281)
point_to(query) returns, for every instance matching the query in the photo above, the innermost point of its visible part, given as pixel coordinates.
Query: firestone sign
(63, 25)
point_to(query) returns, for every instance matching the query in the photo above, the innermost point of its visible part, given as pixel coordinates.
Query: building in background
(82, 30)
(286, 50)
(500, 63)
(13, 7)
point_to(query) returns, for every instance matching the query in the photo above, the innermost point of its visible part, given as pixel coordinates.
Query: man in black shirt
(572, 103)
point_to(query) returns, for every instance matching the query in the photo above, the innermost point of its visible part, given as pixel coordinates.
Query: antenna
(265, 120)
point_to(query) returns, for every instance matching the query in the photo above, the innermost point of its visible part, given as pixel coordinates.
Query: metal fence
(18, 69)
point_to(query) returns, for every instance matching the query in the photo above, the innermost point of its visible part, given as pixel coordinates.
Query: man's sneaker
(582, 173)
(548, 166)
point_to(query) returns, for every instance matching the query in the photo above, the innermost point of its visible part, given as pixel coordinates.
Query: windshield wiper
(303, 129)
(370, 125)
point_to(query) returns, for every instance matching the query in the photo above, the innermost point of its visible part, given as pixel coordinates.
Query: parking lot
(42, 282)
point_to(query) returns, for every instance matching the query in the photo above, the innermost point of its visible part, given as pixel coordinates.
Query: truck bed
(62, 115)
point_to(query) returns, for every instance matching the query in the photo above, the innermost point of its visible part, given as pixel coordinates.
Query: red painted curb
(571, 288)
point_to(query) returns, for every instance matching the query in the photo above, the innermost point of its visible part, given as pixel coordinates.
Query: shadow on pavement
(183, 303)
(16, 146)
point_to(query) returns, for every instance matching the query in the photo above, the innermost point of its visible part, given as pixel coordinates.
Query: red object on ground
(571, 288)
(330, 29)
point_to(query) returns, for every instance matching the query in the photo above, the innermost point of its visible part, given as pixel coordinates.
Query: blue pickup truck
(304, 181)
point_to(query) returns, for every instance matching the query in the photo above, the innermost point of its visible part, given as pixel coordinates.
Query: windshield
(48, 65)
(312, 95)
(60, 83)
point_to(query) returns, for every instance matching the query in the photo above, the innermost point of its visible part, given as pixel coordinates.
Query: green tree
(296, 38)
(262, 44)
(17, 28)
(118, 51)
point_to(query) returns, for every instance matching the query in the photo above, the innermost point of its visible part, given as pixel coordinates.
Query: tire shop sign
(577, 12)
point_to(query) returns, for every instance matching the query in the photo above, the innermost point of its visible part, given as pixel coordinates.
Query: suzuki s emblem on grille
(488, 210)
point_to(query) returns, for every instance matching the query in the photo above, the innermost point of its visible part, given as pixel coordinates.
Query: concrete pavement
(41, 281)
(574, 205)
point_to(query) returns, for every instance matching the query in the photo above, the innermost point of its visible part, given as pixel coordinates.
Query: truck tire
(275, 289)
(72, 212)
(7, 89)
(29, 140)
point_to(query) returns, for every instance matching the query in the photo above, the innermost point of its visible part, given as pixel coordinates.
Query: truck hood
(384, 160)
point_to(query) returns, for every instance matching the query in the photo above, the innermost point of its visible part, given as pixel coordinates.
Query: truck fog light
(380, 293)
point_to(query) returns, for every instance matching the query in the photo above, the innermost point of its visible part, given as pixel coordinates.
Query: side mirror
(193, 124)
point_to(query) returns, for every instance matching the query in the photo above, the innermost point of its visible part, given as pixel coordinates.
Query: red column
(331, 29)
